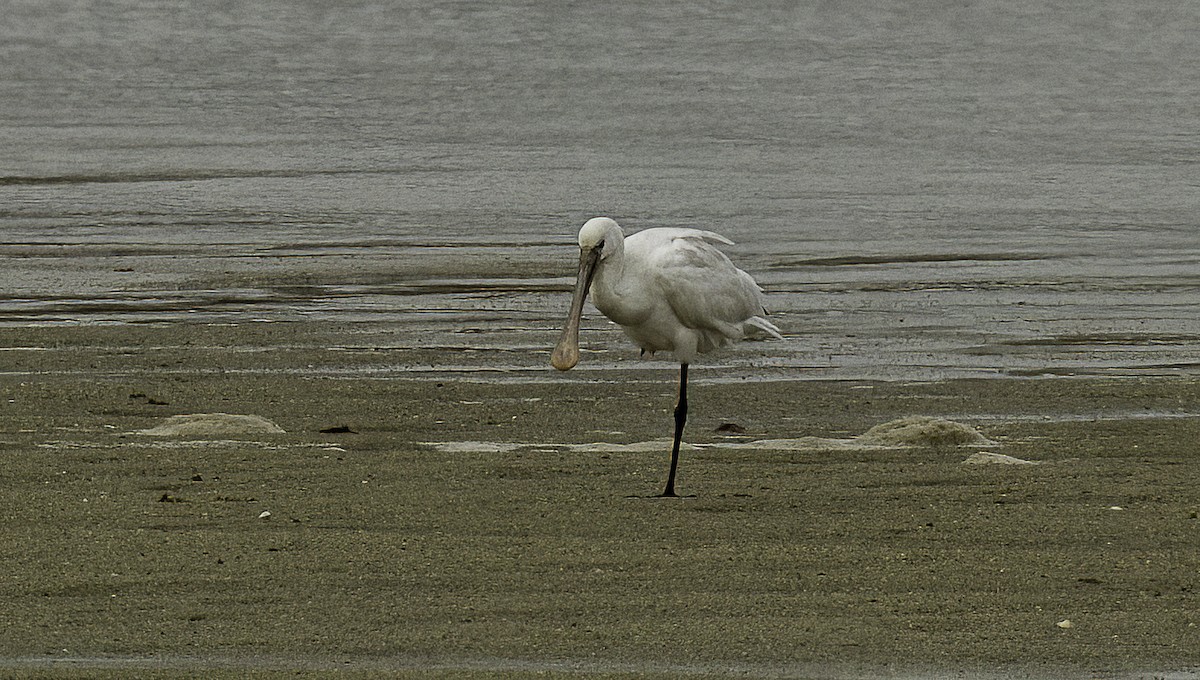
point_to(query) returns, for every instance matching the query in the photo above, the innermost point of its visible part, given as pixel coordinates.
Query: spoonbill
(670, 290)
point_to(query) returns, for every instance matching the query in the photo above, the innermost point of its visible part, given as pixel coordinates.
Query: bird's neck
(611, 289)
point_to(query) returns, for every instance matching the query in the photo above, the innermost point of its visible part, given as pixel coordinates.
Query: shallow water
(924, 192)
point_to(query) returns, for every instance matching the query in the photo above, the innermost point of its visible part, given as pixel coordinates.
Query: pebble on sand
(213, 425)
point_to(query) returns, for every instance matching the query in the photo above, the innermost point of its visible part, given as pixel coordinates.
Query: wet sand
(384, 555)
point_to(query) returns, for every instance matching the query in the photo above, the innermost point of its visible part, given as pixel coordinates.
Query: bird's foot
(663, 495)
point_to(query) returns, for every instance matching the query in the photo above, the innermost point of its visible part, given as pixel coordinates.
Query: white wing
(705, 290)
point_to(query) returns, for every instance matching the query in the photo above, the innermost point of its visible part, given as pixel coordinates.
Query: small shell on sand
(924, 431)
(213, 425)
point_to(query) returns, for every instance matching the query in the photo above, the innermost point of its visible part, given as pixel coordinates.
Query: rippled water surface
(924, 192)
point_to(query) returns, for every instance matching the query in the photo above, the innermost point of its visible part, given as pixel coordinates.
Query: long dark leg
(680, 419)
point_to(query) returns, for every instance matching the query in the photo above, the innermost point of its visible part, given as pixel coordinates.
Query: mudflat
(352, 542)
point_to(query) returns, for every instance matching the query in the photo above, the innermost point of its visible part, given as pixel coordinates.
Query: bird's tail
(763, 325)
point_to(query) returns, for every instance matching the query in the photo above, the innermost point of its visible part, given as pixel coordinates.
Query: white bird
(670, 290)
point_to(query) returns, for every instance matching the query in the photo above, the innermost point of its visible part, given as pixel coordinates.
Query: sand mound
(636, 447)
(989, 458)
(800, 444)
(476, 447)
(594, 447)
(213, 425)
(923, 431)
(902, 433)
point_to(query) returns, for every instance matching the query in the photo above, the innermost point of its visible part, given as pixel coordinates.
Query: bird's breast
(621, 309)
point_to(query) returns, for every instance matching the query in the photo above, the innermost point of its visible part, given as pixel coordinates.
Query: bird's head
(602, 234)
(599, 239)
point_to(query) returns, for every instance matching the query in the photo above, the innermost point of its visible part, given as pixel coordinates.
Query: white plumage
(669, 290)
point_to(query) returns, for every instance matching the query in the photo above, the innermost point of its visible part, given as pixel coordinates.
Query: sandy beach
(382, 553)
(352, 229)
